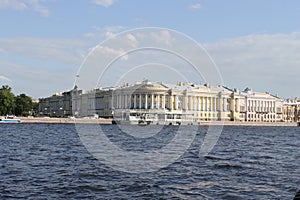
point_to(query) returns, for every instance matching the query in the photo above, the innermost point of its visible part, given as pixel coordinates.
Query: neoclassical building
(181, 103)
(291, 110)
(262, 107)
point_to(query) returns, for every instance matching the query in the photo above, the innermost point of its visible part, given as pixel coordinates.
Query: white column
(186, 103)
(214, 104)
(152, 101)
(121, 101)
(140, 103)
(176, 102)
(211, 104)
(163, 101)
(134, 101)
(256, 105)
(198, 103)
(158, 101)
(202, 107)
(118, 101)
(126, 101)
(146, 101)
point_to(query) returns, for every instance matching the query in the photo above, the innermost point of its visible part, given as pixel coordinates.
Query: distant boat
(10, 120)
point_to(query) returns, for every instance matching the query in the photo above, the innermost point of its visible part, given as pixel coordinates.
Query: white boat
(10, 121)
(142, 118)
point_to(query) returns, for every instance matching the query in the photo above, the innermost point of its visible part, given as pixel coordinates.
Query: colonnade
(261, 106)
(173, 102)
(139, 101)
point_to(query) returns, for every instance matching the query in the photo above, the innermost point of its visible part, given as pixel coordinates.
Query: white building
(181, 103)
(262, 107)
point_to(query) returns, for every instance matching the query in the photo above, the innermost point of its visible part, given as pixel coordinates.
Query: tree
(6, 101)
(24, 105)
(35, 108)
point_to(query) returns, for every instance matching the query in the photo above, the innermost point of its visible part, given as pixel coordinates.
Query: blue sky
(254, 43)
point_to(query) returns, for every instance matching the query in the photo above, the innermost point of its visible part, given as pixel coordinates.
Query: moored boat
(10, 120)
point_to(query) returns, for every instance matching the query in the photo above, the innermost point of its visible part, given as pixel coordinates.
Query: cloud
(4, 78)
(264, 61)
(25, 4)
(195, 6)
(106, 32)
(133, 41)
(104, 3)
(113, 52)
(63, 50)
(162, 37)
(39, 8)
(13, 4)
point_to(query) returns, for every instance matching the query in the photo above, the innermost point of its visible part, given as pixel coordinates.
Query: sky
(253, 43)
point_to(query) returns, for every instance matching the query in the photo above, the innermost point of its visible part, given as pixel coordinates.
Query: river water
(49, 161)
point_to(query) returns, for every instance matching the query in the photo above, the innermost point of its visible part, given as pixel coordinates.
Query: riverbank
(42, 120)
(238, 123)
(45, 120)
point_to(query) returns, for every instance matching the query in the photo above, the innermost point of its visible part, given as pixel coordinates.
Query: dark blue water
(48, 161)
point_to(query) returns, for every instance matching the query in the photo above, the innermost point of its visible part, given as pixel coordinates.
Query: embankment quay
(42, 120)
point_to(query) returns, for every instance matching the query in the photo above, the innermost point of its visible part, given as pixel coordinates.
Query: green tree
(6, 101)
(35, 108)
(24, 105)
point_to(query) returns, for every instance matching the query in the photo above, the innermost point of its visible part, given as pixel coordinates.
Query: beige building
(185, 103)
(162, 103)
(291, 110)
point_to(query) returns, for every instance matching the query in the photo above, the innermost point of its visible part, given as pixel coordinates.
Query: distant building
(262, 107)
(58, 105)
(291, 110)
(181, 103)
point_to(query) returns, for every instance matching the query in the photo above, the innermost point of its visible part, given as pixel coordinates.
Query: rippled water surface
(49, 161)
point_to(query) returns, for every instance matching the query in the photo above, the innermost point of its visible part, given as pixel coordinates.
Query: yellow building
(181, 103)
(291, 110)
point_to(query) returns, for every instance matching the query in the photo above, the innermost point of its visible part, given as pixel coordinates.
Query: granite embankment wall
(232, 123)
(65, 120)
(109, 121)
